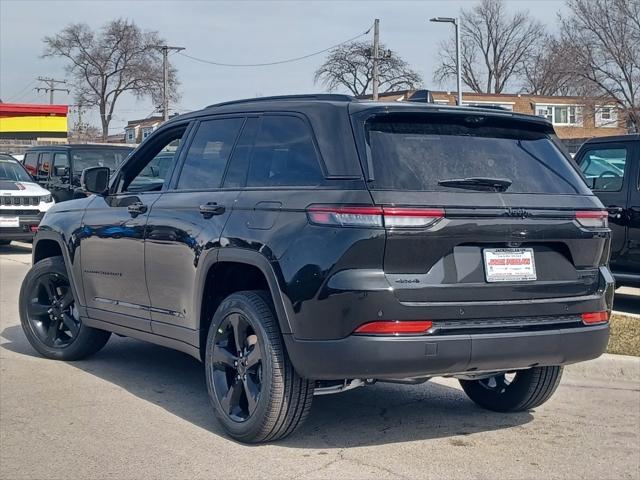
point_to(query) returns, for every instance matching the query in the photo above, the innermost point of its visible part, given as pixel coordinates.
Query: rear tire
(49, 317)
(253, 388)
(4, 242)
(528, 389)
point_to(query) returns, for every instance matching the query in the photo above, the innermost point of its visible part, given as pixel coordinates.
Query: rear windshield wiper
(478, 183)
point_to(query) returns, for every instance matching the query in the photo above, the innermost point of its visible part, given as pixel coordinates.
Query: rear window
(416, 152)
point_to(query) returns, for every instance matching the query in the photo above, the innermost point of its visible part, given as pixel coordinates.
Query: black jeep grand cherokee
(318, 243)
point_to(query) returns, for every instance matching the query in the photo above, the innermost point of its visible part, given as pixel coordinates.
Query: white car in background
(23, 202)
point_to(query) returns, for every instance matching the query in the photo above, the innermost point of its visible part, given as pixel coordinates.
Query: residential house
(137, 130)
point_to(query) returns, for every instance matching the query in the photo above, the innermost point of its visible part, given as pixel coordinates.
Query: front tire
(49, 316)
(524, 390)
(255, 392)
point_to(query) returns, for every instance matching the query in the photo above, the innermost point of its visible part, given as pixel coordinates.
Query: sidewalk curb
(626, 315)
(607, 367)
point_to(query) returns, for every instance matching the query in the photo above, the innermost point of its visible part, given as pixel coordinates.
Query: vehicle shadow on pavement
(15, 249)
(372, 415)
(627, 303)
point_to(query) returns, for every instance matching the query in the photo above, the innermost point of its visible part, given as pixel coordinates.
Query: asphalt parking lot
(137, 410)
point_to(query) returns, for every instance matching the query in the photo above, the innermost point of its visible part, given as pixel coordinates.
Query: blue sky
(231, 32)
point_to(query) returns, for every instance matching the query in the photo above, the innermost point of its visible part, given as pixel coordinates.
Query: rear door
(186, 222)
(607, 167)
(481, 208)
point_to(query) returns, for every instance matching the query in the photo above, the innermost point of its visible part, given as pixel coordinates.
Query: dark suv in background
(611, 166)
(58, 167)
(319, 243)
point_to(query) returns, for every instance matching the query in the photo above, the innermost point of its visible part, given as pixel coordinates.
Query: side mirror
(95, 179)
(60, 171)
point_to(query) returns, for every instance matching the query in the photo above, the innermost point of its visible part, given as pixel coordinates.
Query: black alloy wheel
(51, 311)
(514, 391)
(237, 367)
(498, 383)
(255, 392)
(50, 317)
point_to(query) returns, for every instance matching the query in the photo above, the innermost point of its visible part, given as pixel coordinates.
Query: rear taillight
(593, 318)
(411, 217)
(593, 218)
(409, 327)
(391, 217)
(345, 216)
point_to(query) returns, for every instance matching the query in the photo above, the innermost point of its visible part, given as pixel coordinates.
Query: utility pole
(165, 85)
(51, 87)
(376, 57)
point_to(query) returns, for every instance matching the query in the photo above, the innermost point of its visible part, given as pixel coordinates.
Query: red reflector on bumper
(394, 327)
(33, 228)
(595, 317)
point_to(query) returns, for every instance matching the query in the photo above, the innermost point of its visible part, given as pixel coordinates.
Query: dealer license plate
(9, 222)
(509, 264)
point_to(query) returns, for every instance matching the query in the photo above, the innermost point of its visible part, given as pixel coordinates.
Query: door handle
(615, 212)
(210, 209)
(137, 208)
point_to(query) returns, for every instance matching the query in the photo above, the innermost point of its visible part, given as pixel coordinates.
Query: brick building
(575, 119)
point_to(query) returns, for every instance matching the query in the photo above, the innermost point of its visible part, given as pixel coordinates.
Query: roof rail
(327, 97)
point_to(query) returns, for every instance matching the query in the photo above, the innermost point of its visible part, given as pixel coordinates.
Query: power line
(51, 87)
(21, 93)
(279, 62)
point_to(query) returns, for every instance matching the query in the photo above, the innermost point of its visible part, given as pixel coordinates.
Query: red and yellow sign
(33, 121)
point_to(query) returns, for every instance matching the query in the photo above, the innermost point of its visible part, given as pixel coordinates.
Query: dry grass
(625, 335)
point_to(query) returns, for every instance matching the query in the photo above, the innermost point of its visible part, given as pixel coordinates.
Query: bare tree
(84, 133)
(494, 47)
(350, 66)
(543, 72)
(120, 58)
(602, 49)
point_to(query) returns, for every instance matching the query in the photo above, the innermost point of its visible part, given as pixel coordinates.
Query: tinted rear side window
(415, 152)
(236, 175)
(284, 154)
(208, 154)
(30, 162)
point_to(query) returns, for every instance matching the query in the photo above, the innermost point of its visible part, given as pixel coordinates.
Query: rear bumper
(406, 357)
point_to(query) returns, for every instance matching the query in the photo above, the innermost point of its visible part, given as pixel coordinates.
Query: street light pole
(458, 60)
(456, 24)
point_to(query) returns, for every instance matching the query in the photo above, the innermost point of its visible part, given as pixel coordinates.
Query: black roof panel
(631, 137)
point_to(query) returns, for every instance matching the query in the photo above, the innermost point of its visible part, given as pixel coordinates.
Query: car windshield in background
(429, 153)
(98, 157)
(159, 166)
(12, 171)
(152, 177)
